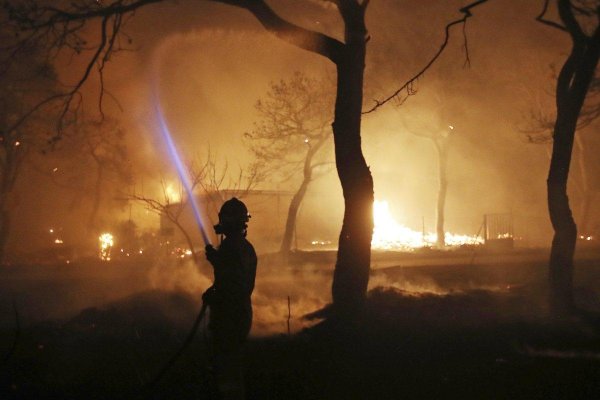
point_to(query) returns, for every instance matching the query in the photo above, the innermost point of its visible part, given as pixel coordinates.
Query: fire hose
(188, 340)
(187, 185)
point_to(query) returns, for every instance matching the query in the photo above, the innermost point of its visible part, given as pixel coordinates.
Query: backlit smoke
(181, 170)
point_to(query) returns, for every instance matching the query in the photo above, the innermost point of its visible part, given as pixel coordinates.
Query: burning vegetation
(389, 235)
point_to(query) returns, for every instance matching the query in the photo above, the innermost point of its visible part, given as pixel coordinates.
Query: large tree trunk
(565, 230)
(442, 149)
(571, 89)
(351, 274)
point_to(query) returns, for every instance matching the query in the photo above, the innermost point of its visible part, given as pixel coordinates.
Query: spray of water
(181, 170)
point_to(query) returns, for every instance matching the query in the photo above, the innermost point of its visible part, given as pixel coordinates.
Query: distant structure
(498, 231)
(268, 210)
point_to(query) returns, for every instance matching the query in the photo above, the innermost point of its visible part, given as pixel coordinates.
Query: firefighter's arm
(212, 255)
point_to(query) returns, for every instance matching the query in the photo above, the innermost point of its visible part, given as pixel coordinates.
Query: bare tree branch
(61, 28)
(408, 86)
(312, 41)
(25, 116)
(541, 18)
(565, 9)
(57, 29)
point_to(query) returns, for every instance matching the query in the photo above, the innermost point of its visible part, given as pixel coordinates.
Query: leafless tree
(92, 161)
(220, 185)
(207, 180)
(26, 81)
(408, 88)
(435, 124)
(537, 128)
(57, 27)
(294, 125)
(172, 208)
(578, 19)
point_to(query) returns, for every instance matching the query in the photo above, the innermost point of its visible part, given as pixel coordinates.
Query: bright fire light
(173, 195)
(390, 235)
(106, 244)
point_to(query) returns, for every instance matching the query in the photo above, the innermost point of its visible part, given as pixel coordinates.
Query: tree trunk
(565, 230)
(586, 194)
(351, 274)
(290, 224)
(442, 149)
(571, 89)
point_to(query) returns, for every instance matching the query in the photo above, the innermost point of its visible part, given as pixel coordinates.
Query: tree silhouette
(91, 160)
(25, 82)
(580, 20)
(435, 125)
(207, 179)
(537, 128)
(294, 125)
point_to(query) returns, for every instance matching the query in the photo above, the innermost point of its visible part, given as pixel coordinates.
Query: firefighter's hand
(211, 254)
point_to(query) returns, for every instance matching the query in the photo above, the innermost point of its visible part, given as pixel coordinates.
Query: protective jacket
(234, 264)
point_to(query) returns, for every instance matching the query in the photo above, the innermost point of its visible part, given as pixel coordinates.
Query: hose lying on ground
(152, 384)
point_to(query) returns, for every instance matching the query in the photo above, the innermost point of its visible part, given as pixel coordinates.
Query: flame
(390, 235)
(106, 244)
(173, 195)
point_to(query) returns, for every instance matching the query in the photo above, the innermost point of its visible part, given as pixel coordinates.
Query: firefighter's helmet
(232, 216)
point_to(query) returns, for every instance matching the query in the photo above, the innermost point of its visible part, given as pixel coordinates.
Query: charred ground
(451, 330)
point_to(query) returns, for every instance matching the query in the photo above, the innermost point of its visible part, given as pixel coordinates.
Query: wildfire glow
(173, 196)
(106, 244)
(390, 235)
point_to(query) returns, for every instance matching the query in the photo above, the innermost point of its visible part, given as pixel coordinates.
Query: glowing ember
(106, 244)
(390, 235)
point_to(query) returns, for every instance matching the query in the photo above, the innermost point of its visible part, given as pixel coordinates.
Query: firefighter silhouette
(229, 299)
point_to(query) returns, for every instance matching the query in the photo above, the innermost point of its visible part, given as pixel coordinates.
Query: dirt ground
(464, 324)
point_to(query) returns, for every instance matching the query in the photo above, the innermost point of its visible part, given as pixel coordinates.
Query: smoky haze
(211, 64)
